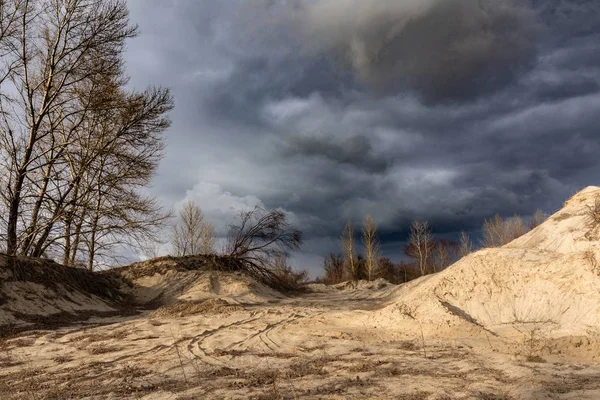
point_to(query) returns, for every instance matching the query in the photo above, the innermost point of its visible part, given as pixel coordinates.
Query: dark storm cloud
(267, 116)
(560, 90)
(256, 80)
(441, 49)
(354, 150)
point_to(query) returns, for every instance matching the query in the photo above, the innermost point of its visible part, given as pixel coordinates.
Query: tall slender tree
(420, 245)
(191, 234)
(349, 250)
(370, 245)
(465, 244)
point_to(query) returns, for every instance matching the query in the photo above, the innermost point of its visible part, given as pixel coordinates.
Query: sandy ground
(517, 322)
(324, 344)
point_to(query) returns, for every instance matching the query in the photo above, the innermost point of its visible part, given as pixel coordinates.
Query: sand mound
(35, 291)
(169, 280)
(547, 279)
(43, 293)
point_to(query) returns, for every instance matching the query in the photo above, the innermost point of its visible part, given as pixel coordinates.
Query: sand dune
(546, 280)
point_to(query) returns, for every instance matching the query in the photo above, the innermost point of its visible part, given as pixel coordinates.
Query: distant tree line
(424, 253)
(76, 145)
(263, 239)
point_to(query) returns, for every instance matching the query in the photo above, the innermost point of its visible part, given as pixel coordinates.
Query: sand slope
(545, 278)
(48, 292)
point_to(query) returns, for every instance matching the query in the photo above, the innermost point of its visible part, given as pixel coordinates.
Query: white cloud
(219, 206)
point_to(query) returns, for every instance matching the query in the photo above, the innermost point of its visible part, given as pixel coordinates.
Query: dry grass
(492, 396)
(593, 210)
(53, 275)
(261, 377)
(126, 382)
(62, 359)
(7, 360)
(186, 308)
(22, 342)
(340, 387)
(55, 321)
(562, 216)
(103, 349)
(535, 359)
(311, 366)
(98, 337)
(367, 366)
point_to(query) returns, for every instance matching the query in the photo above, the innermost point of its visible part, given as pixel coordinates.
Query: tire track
(197, 340)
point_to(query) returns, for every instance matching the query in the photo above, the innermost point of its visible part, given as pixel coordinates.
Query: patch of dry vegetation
(593, 210)
(103, 349)
(187, 308)
(105, 285)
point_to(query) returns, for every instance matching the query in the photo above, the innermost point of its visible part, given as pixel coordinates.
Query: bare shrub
(260, 238)
(594, 210)
(590, 257)
(533, 342)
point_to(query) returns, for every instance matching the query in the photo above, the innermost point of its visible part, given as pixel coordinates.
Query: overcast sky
(447, 111)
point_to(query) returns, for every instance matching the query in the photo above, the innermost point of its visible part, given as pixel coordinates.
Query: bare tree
(335, 270)
(537, 219)
(371, 246)
(445, 253)
(209, 241)
(62, 45)
(10, 20)
(420, 244)
(465, 245)
(75, 146)
(259, 240)
(191, 234)
(349, 251)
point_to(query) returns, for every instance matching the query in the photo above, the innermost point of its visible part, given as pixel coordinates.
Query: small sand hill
(47, 293)
(168, 280)
(546, 280)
